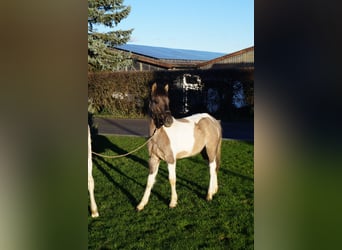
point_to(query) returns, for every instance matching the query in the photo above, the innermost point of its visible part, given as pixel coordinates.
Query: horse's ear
(154, 88)
(166, 88)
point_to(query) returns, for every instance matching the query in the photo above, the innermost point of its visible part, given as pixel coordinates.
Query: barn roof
(244, 56)
(169, 53)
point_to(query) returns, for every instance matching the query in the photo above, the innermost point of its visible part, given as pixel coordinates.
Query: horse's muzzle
(164, 119)
(168, 121)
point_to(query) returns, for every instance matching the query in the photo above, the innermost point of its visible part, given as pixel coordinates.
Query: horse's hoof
(172, 205)
(139, 208)
(209, 197)
(215, 190)
(95, 215)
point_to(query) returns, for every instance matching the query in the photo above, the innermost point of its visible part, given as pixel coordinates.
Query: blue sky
(217, 25)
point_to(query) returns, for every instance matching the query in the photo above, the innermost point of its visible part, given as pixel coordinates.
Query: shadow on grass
(199, 190)
(101, 143)
(230, 172)
(226, 171)
(130, 197)
(133, 200)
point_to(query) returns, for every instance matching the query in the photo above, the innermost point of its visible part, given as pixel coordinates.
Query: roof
(169, 53)
(229, 58)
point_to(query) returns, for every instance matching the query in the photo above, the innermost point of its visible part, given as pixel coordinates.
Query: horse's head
(159, 106)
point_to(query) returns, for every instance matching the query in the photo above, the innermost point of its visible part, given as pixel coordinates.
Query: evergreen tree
(107, 13)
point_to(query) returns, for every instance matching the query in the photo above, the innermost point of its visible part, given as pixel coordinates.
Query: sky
(218, 25)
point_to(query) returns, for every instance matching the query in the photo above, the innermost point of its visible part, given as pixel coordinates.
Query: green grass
(226, 222)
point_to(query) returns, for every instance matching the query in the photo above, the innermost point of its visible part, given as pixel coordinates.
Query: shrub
(126, 93)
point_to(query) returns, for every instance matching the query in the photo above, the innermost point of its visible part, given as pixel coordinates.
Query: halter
(157, 118)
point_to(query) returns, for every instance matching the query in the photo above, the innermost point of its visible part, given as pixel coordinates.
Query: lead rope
(131, 152)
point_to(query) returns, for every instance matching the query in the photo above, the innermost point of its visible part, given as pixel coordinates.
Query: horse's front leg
(153, 165)
(93, 206)
(172, 179)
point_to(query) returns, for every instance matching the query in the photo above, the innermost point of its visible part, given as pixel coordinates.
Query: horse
(91, 184)
(173, 139)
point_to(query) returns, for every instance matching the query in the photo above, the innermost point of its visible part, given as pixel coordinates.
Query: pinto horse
(93, 206)
(174, 139)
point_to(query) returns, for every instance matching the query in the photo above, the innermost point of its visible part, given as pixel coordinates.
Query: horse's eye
(155, 101)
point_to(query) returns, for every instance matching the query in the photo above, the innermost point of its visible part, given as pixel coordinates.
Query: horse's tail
(218, 155)
(218, 149)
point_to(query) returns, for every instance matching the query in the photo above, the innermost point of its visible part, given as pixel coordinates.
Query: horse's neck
(152, 126)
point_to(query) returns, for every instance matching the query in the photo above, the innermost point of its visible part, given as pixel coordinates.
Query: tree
(107, 13)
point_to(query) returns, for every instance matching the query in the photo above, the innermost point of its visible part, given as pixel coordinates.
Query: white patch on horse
(181, 135)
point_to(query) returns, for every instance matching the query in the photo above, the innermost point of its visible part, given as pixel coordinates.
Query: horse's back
(206, 122)
(196, 117)
(190, 134)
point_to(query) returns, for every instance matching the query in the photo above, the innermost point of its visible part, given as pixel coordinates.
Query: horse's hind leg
(213, 167)
(213, 186)
(154, 165)
(214, 154)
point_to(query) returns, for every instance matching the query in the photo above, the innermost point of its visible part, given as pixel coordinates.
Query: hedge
(126, 94)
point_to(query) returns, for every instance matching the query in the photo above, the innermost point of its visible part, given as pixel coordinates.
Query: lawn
(226, 222)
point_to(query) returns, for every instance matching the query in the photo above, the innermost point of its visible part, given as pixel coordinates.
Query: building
(159, 58)
(241, 58)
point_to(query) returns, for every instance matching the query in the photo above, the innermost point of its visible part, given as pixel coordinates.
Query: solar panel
(168, 53)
